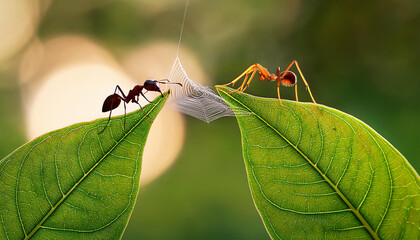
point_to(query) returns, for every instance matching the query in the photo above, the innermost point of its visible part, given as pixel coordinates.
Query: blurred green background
(361, 57)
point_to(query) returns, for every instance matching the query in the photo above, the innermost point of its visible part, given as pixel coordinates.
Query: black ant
(114, 100)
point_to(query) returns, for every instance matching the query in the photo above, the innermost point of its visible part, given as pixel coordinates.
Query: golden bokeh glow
(69, 95)
(18, 21)
(66, 79)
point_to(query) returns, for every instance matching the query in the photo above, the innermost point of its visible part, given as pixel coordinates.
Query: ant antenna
(166, 81)
(163, 80)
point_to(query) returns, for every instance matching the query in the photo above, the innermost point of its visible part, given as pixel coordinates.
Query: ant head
(151, 85)
(150, 82)
(288, 79)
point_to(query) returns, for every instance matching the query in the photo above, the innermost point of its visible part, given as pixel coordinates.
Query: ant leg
(121, 91)
(246, 72)
(110, 103)
(264, 75)
(240, 88)
(278, 91)
(137, 101)
(278, 74)
(142, 107)
(124, 97)
(109, 118)
(146, 97)
(249, 81)
(303, 78)
(246, 82)
(125, 113)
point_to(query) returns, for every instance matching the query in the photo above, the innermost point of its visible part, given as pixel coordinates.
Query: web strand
(182, 26)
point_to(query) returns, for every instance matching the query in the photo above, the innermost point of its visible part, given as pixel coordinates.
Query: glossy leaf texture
(318, 173)
(74, 183)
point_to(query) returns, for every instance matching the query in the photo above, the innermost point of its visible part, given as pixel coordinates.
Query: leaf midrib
(336, 189)
(39, 225)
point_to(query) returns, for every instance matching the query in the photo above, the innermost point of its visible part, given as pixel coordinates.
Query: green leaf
(315, 172)
(74, 183)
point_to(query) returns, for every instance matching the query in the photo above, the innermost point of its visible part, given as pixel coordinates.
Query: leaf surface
(74, 183)
(315, 172)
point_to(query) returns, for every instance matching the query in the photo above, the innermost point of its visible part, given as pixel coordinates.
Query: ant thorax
(133, 93)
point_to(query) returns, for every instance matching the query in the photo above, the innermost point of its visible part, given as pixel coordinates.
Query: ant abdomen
(289, 79)
(111, 102)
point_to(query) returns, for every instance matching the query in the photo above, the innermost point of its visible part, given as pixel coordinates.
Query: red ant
(286, 78)
(114, 100)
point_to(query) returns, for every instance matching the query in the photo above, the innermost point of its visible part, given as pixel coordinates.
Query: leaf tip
(222, 89)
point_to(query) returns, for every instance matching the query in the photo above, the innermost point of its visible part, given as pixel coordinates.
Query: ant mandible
(114, 100)
(286, 78)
